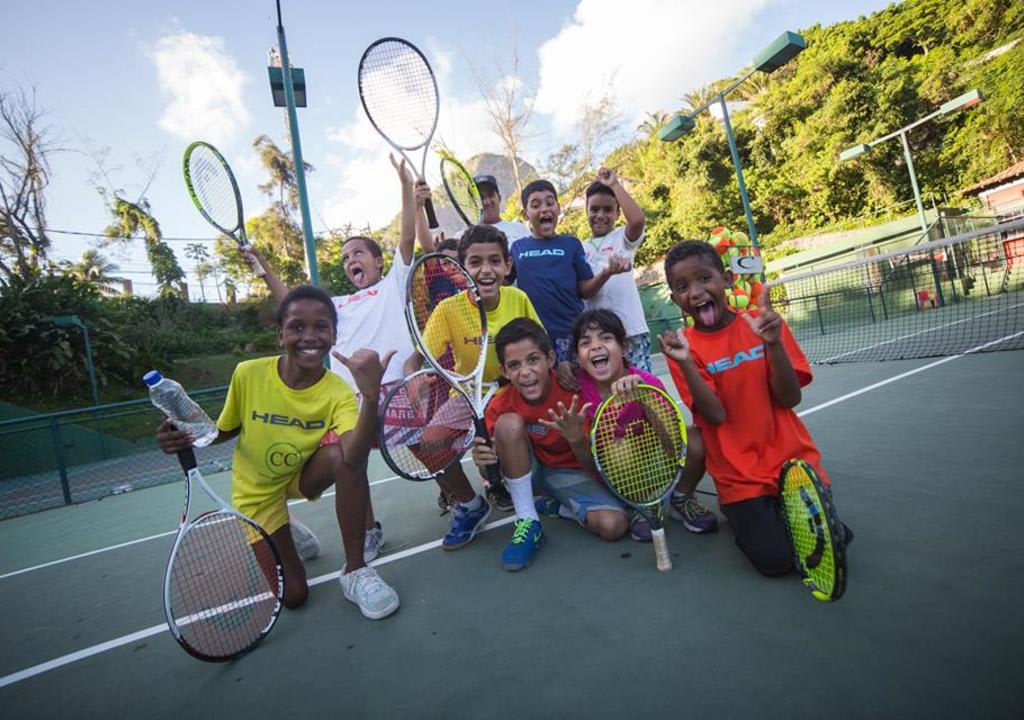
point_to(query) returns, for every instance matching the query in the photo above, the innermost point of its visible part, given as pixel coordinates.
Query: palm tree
(95, 269)
(655, 120)
(198, 253)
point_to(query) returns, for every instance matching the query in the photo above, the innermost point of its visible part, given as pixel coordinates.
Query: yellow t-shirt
(455, 323)
(280, 427)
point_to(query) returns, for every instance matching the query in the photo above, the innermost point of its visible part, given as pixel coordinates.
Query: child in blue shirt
(552, 269)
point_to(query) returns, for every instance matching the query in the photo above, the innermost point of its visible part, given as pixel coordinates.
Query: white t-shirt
(374, 318)
(513, 230)
(619, 293)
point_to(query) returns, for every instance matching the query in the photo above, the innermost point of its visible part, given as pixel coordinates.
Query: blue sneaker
(639, 528)
(527, 538)
(692, 513)
(547, 507)
(465, 525)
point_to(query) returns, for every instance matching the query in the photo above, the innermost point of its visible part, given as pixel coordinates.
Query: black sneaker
(499, 498)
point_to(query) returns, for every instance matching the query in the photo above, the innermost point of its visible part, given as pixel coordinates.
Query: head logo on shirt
(356, 297)
(730, 361)
(546, 252)
(283, 458)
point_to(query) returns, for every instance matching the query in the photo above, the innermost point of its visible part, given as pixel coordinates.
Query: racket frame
(472, 380)
(425, 144)
(237, 233)
(829, 525)
(193, 476)
(448, 159)
(653, 511)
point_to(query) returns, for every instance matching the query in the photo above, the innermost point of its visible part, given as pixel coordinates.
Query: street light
(963, 102)
(783, 49)
(291, 89)
(75, 321)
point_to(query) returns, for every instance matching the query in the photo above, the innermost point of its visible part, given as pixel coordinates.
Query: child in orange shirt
(741, 379)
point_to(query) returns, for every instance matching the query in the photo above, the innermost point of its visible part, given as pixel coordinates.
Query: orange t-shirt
(745, 453)
(549, 447)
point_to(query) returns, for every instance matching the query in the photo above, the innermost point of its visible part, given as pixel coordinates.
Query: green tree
(197, 253)
(96, 270)
(132, 219)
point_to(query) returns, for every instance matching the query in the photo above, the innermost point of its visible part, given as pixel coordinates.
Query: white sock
(521, 490)
(473, 505)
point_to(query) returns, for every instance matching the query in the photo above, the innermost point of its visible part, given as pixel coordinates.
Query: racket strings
(638, 446)
(808, 526)
(448, 321)
(461, 188)
(223, 588)
(214, 188)
(426, 426)
(399, 93)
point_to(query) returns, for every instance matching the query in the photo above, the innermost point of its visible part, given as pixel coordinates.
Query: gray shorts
(575, 489)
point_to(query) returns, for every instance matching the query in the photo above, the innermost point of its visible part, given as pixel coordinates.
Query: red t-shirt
(550, 448)
(745, 453)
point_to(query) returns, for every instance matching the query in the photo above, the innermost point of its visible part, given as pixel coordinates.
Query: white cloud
(203, 85)
(366, 190)
(650, 52)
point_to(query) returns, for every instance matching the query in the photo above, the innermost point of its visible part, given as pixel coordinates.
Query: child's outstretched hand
(421, 193)
(171, 439)
(607, 176)
(483, 454)
(768, 323)
(404, 173)
(570, 421)
(367, 369)
(675, 345)
(618, 264)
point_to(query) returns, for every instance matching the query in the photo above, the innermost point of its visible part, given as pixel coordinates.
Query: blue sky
(143, 79)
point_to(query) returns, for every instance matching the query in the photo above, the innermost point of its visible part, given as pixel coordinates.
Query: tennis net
(946, 297)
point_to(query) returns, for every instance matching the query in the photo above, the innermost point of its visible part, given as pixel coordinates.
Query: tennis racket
(813, 530)
(214, 192)
(461, 190)
(639, 444)
(399, 94)
(448, 324)
(223, 583)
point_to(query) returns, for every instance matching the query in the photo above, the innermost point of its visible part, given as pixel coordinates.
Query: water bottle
(170, 396)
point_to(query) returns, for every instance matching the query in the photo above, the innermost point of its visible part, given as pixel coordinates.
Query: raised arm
(277, 288)
(367, 369)
(632, 212)
(616, 264)
(675, 347)
(784, 384)
(407, 227)
(425, 238)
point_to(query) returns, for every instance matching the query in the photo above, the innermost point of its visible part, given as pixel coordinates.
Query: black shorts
(760, 532)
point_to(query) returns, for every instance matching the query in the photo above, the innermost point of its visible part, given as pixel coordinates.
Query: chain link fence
(81, 455)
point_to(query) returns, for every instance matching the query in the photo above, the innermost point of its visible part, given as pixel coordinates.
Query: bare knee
(509, 428)
(607, 524)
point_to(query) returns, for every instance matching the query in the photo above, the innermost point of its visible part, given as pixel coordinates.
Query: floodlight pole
(744, 198)
(300, 168)
(913, 183)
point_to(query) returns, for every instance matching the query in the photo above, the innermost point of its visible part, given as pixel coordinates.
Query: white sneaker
(373, 542)
(375, 598)
(306, 543)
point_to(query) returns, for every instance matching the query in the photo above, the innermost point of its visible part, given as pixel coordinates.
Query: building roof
(1011, 173)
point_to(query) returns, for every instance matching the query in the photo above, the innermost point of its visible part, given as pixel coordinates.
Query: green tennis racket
(639, 444)
(461, 190)
(813, 530)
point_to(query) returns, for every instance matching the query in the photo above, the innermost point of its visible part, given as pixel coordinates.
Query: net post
(58, 451)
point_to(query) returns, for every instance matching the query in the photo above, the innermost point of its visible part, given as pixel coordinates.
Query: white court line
(162, 627)
(156, 629)
(98, 551)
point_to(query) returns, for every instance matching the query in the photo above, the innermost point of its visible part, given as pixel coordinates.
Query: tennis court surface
(925, 456)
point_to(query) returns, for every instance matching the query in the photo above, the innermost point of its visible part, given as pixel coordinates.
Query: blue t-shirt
(548, 270)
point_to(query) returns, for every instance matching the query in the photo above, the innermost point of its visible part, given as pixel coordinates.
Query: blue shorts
(575, 489)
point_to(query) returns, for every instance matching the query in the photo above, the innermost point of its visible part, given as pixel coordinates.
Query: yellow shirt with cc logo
(280, 428)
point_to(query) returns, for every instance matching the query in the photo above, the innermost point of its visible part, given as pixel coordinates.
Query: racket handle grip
(187, 458)
(431, 215)
(493, 473)
(661, 555)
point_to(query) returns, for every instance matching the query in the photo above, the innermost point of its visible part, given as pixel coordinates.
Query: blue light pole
(783, 49)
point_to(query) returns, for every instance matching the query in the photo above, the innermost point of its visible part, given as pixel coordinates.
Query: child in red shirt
(540, 440)
(742, 379)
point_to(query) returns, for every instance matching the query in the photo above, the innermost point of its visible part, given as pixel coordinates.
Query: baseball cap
(486, 180)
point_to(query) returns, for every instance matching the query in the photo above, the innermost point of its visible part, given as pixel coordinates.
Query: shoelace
(367, 581)
(693, 508)
(522, 530)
